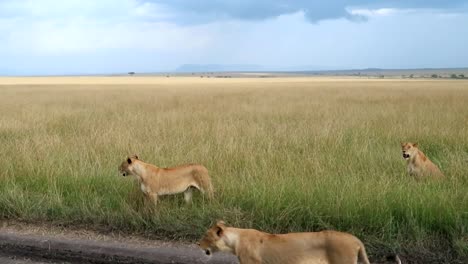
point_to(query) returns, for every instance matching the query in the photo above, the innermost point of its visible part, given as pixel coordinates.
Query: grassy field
(285, 154)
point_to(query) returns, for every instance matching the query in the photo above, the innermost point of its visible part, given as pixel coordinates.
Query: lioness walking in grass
(419, 166)
(156, 181)
(255, 247)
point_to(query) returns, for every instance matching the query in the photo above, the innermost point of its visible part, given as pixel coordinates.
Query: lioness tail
(204, 180)
(362, 255)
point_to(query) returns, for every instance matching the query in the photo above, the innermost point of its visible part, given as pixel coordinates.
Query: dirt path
(19, 260)
(78, 246)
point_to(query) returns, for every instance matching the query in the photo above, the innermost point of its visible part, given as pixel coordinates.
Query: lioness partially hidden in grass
(156, 181)
(255, 247)
(419, 166)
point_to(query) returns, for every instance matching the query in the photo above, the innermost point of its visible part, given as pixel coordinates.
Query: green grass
(284, 154)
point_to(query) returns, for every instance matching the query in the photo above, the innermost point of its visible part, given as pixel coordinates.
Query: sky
(55, 37)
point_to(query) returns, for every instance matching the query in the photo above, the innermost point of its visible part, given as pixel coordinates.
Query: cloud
(81, 26)
(104, 9)
(83, 35)
(374, 12)
(54, 36)
(314, 10)
(206, 11)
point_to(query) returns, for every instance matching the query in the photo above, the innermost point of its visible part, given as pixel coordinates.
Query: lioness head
(409, 149)
(212, 241)
(125, 167)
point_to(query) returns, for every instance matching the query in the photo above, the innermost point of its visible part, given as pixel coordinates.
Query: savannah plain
(285, 155)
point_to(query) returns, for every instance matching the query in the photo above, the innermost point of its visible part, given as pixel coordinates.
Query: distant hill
(191, 68)
(392, 72)
(218, 68)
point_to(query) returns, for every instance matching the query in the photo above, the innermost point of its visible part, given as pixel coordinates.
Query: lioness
(156, 181)
(419, 166)
(254, 247)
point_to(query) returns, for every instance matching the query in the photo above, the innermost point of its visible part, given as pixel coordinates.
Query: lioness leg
(344, 260)
(154, 197)
(188, 195)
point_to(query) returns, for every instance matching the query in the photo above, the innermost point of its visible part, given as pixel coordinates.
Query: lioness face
(212, 240)
(409, 150)
(125, 167)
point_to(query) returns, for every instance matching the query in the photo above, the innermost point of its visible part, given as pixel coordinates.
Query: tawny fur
(156, 181)
(418, 165)
(254, 247)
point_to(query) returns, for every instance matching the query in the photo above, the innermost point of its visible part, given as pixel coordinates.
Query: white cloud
(82, 35)
(374, 12)
(152, 11)
(57, 27)
(384, 12)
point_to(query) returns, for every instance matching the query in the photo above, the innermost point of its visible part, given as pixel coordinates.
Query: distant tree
(131, 73)
(461, 76)
(434, 76)
(411, 76)
(453, 76)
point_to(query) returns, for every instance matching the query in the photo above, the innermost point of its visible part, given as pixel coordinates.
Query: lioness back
(328, 246)
(155, 181)
(192, 175)
(253, 246)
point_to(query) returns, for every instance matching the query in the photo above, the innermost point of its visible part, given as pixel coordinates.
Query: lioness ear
(219, 231)
(415, 144)
(135, 156)
(402, 144)
(129, 160)
(220, 225)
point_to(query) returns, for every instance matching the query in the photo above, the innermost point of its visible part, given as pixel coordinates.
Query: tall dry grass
(285, 155)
